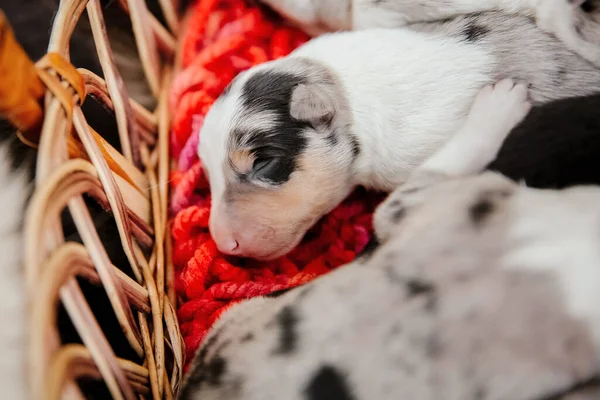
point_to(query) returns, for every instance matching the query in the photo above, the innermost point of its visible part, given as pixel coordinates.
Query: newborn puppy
(480, 289)
(575, 22)
(288, 140)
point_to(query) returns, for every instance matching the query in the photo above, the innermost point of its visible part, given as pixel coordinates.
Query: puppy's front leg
(495, 112)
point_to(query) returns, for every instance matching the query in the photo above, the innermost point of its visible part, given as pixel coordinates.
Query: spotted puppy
(288, 140)
(479, 289)
(575, 22)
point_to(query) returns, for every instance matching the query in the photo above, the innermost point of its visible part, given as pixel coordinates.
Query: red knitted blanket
(222, 38)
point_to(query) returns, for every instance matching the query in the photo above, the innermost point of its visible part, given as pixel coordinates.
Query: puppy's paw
(495, 111)
(498, 108)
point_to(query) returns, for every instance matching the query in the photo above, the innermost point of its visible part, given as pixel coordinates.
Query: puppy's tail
(14, 191)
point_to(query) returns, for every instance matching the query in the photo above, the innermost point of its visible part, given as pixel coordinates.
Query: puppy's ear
(312, 103)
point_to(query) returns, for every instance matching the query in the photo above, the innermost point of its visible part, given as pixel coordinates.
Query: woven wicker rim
(73, 160)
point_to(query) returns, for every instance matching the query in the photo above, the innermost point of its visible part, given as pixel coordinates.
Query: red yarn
(224, 37)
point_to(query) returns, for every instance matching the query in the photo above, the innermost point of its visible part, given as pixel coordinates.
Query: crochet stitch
(222, 38)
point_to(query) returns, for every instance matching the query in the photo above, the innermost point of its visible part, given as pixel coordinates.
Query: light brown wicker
(72, 161)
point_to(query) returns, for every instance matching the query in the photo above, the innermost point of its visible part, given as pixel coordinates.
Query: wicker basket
(73, 161)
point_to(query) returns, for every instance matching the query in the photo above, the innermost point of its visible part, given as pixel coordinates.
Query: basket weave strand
(73, 161)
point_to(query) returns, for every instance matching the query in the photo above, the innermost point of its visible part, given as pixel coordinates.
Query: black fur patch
(369, 248)
(398, 215)
(208, 370)
(209, 343)
(332, 139)
(418, 287)
(397, 209)
(210, 373)
(590, 6)
(485, 204)
(268, 12)
(247, 337)
(271, 91)
(556, 146)
(328, 383)
(287, 320)
(355, 146)
(474, 32)
(214, 370)
(480, 210)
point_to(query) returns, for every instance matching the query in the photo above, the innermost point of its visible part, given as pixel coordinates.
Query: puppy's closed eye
(272, 170)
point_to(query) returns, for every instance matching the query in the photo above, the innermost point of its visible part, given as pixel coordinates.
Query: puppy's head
(277, 148)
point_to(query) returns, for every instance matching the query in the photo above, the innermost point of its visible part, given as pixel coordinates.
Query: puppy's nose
(223, 235)
(228, 245)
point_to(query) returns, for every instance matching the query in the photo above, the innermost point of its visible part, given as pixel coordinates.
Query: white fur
(213, 149)
(13, 311)
(396, 106)
(572, 258)
(558, 17)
